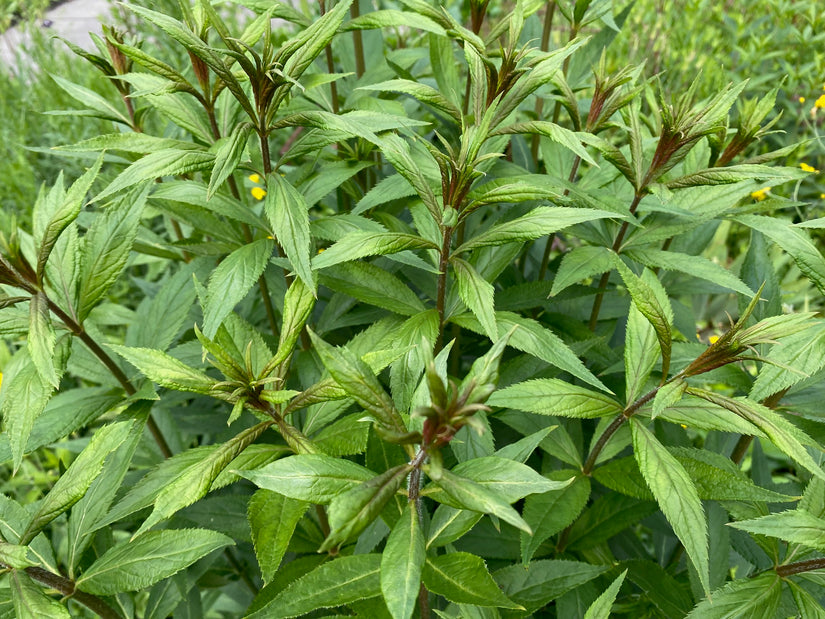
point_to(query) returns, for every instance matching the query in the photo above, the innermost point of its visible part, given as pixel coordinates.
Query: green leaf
(641, 351)
(534, 339)
(73, 484)
(352, 511)
(336, 583)
(232, 280)
(15, 556)
(477, 294)
(169, 162)
(41, 339)
(137, 564)
(389, 18)
(463, 578)
(809, 607)
(314, 478)
(194, 482)
(600, 609)
(550, 396)
(359, 382)
(676, 495)
(554, 132)
(550, 512)
(581, 263)
(402, 563)
(422, 92)
(467, 494)
(358, 245)
(93, 100)
(540, 582)
(754, 598)
(736, 174)
(669, 394)
(272, 518)
(227, 156)
(797, 527)
(288, 214)
(372, 284)
(651, 300)
(537, 223)
(30, 600)
(165, 370)
(804, 352)
(508, 479)
(695, 266)
(106, 248)
(449, 524)
(397, 152)
(62, 215)
(792, 240)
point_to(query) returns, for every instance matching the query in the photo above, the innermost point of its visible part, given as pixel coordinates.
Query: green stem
(414, 497)
(545, 43)
(443, 262)
(333, 86)
(360, 65)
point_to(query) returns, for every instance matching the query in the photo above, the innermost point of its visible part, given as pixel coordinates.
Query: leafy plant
(393, 313)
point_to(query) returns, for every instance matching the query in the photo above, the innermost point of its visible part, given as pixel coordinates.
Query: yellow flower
(807, 168)
(1, 379)
(258, 193)
(713, 339)
(321, 251)
(822, 196)
(255, 178)
(802, 99)
(820, 102)
(760, 194)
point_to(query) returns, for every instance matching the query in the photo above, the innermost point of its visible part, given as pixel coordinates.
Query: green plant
(410, 337)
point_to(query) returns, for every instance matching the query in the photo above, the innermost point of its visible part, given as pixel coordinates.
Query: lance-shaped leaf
(736, 174)
(137, 564)
(62, 215)
(372, 284)
(550, 396)
(579, 264)
(799, 355)
(288, 214)
(17, 556)
(696, 266)
(103, 108)
(537, 223)
(171, 162)
(351, 512)
(227, 156)
(106, 248)
(74, 483)
(601, 607)
(397, 152)
(676, 495)
(358, 245)
(477, 294)
(641, 351)
(230, 282)
(463, 578)
(165, 370)
(422, 92)
(315, 478)
(464, 493)
(298, 303)
(41, 339)
(756, 598)
(194, 482)
(669, 394)
(344, 580)
(797, 527)
(569, 139)
(358, 380)
(30, 600)
(388, 18)
(651, 300)
(402, 563)
(272, 519)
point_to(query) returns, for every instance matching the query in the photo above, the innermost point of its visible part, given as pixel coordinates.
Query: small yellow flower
(820, 102)
(822, 196)
(255, 178)
(760, 194)
(807, 168)
(258, 193)
(1, 379)
(802, 99)
(321, 251)
(713, 339)
(684, 427)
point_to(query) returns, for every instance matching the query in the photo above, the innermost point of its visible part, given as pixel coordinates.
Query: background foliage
(415, 310)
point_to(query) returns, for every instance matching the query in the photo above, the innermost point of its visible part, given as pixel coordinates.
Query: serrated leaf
(397, 152)
(754, 598)
(41, 339)
(641, 351)
(422, 92)
(797, 527)
(336, 583)
(554, 132)
(579, 264)
(288, 214)
(228, 156)
(668, 395)
(601, 607)
(449, 524)
(232, 280)
(537, 223)
(477, 294)
(463, 578)
(467, 494)
(272, 518)
(73, 484)
(137, 564)
(352, 511)
(314, 478)
(15, 556)
(676, 495)
(165, 370)
(402, 563)
(371, 284)
(804, 352)
(30, 600)
(358, 245)
(551, 396)
(91, 99)
(695, 266)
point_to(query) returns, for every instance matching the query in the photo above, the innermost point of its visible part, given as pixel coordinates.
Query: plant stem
(68, 589)
(333, 87)
(113, 367)
(802, 566)
(597, 303)
(414, 497)
(360, 65)
(545, 43)
(447, 235)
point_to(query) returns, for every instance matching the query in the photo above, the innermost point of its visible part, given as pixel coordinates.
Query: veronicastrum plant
(393, 312)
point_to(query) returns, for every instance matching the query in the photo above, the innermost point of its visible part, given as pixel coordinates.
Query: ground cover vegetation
(412, 310)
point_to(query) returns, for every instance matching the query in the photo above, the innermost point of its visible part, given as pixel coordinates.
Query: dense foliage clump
(414, 310)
